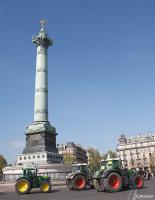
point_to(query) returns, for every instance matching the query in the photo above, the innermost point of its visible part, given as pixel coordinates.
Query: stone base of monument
(57, 172)
(38, 158)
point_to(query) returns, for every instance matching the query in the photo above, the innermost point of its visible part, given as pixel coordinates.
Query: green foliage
(152, 160)
(94, 158)
(3, 163)
(69, 159)
(113, 154)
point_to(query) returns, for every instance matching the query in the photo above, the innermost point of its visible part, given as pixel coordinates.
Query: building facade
(72, 153)
(137, 150)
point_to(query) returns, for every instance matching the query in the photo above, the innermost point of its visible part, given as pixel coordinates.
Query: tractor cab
(102, 164)
(113, 164)
(29, 172)
(100, 171)
(80, 168)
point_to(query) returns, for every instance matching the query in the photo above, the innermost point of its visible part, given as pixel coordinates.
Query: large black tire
(95, 183)
(100, 185)
(113, 183)
(45, 187)
(22, 186)
(69, 184)
(79, 182)
(138, 181)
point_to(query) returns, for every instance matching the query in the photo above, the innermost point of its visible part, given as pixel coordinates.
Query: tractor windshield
(84, 169)
(29, 172)
(75, 168)
(80, 168)
(102, 165)
(109, 164)
(113, 164)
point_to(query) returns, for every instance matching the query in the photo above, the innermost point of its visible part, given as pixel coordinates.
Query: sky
(101, 70)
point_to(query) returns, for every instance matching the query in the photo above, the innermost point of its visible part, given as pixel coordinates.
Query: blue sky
(101, 70)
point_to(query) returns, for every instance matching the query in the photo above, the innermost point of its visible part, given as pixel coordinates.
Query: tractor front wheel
(45, 187)
(79, 182)
(113, 183)
(22, 186)
(69, 184)
(100, 186)
(138, 181)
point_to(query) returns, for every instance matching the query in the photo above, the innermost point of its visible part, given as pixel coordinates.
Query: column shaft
(41, 85)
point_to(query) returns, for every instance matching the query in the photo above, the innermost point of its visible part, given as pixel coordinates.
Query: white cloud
(17, 144)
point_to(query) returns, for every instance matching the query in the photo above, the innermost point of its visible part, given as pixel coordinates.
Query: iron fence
(1, 177)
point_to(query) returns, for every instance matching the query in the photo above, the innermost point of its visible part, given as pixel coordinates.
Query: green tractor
(30, 180)
(79, 178)
(112, 177)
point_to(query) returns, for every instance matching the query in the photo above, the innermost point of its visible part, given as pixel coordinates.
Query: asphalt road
(61, 193)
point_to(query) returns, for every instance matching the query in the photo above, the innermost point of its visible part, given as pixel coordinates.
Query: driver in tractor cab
(102, 168)
(109, 164)
(31, 175)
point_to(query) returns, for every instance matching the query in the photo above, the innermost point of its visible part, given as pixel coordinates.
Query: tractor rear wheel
(138, 181)
(79, 182)
(45, 187)
(113, 183)
(22, 186)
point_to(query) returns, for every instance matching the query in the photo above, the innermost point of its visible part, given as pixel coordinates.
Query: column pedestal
(40, 136)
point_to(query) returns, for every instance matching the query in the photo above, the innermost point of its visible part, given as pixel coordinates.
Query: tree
(152, 161)
(93, 159)
(113, 154)
(3, 163)
(69, 159)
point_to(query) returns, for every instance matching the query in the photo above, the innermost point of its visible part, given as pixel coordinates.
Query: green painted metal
(31, 174)
(114, 166)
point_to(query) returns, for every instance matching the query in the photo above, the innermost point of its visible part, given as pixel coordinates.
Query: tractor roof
(112, 159)
(109, 158)
(102, 160)
(80, 164)
(29, 167)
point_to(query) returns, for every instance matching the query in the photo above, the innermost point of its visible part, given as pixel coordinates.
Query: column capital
(42, 39)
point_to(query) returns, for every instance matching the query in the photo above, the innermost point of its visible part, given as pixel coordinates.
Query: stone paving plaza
(61, 192)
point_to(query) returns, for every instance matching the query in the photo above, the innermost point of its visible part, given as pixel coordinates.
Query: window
(20, 158)
(38, 156)
(129, 140)
(25, 158)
